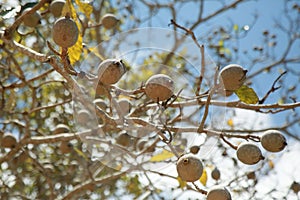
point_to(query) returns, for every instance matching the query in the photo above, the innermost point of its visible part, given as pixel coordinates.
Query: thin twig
(227, 142)
(273, 88)
(199, 189)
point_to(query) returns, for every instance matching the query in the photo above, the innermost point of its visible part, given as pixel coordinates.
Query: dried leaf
(203, 178)
(247, 95)
(164, 155)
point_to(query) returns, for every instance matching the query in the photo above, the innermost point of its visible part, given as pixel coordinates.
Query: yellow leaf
(75, 51)
(182, 183)
(164, 155)
(94, 51)
(221, 43)
(247, 95)
(271, 164)
(80, 153)
(236, 27)
(230, 122)
(203, 178)
(68, 8)
(86, 8)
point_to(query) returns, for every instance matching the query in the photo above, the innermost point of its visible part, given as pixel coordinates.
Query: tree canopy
(149, 100)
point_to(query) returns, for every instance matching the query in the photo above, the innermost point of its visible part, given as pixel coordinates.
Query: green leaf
(247, 95)
(164, 155)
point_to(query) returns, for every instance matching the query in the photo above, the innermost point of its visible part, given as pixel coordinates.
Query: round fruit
(194, 149)
(295, 187)
(273, 141)
(215, 173)
(101, 90)
(110, 71)
(218, 194)
(65, 32)
(159, 87)
(61, 128)
(251, 175)
(56, 7)
(109, 21)
(189, 168)
(65, 147)
(8, 141)
(232, 77)
(249, 154)
(124, 139)
(125, 105)
(31, 20)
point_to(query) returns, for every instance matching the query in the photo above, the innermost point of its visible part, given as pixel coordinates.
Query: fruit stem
(199, 189)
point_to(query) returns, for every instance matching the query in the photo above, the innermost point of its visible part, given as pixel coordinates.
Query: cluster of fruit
(190, 167)
(65, 31)
(271, 140)
(158, 87)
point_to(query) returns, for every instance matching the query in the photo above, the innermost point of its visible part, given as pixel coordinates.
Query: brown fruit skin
(56, 7)
(31, 20)
(61, 128)
(65, 32)
(216, 174)
(65, 147)
(124, 139)
(100, 103)
(8, 141)
(194, 149)
(232, 77)
(109, 21)
(101, 90)
(140, 145)
(189, 168)
(273, 141)
(159, 87)
(295, 187)
(110, 71)
(249, 154)
(218, 194)
(251, 175)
